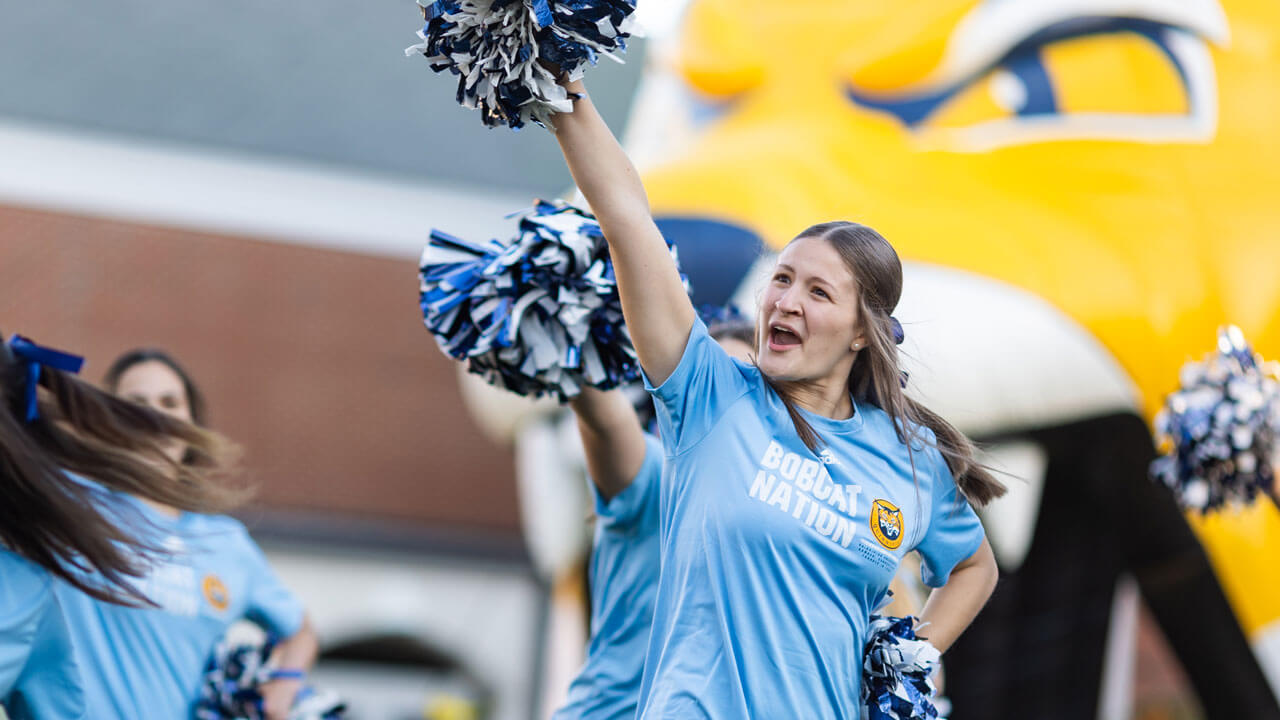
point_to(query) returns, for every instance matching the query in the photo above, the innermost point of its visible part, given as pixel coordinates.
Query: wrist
(287, 675)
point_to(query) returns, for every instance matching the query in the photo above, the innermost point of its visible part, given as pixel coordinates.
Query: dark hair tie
(896, 327)
(33, 357)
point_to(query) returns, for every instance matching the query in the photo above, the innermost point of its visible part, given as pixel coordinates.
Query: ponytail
(63, 523)
(877, 379)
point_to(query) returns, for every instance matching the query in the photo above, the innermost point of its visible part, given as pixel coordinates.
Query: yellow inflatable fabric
(1124, 168)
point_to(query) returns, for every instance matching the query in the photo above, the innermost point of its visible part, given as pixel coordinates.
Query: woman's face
(156, 385)
(809, 315)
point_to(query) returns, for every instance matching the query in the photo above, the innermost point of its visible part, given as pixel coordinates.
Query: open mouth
(782, 338)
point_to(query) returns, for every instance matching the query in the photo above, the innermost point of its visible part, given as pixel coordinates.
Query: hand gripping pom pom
(233, 676)
(537, 314)
(1218, 432)
(499, 50)
(897, 671)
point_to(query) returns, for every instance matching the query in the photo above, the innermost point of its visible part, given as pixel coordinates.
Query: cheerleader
(52, 522)
(792, 487)
(149, 662)
(625, 465)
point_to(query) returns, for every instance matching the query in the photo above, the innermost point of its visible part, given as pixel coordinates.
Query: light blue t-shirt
(149, 662)
(38, 674)
(624, 580)
(774, 556)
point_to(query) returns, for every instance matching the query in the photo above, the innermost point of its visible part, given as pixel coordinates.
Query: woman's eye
(820, 293)
(169, 402)
(781, 278)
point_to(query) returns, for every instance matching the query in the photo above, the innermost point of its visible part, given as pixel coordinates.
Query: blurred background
(1082, 192)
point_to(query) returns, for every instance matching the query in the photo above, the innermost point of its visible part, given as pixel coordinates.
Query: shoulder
(753, 382)
(223, 523)
(881, 429)
(26, 587)
(701, 348)
(752, 396)
(878, 422)
(884, 432)
(224, 527)
(20, 572)
(748, 370)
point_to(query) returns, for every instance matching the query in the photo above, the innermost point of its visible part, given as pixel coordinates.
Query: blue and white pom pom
(538, 314)
(232, 680)
(897, 671)
(1218, 432)
(497, 48)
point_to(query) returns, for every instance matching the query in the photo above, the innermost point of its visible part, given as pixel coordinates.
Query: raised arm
(612, 438)
(657, 310)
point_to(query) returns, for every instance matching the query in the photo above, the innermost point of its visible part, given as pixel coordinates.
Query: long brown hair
(876, 376)
(61, 522)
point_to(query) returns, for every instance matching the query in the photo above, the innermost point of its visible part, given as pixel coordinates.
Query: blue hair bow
(34, 357)
(898, 334)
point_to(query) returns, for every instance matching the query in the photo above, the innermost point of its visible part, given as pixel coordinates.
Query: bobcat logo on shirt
(216, 592)
(886, 523)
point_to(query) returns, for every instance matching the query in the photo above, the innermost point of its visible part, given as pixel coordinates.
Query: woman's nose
(787, 302)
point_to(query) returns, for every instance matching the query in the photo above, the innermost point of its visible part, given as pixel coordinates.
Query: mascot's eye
(1083, 78)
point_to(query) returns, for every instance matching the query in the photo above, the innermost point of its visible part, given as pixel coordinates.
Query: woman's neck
(829, 400)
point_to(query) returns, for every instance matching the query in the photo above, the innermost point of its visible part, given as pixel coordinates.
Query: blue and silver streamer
(537, 314)
(1218, 432)
(897, 671)
(713, 315)
(232, 681)
(499, 49)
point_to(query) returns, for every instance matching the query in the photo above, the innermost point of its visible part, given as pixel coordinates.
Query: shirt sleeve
(640, 498)
(20, 600)
(38, 672)
(271, 604)
(50, 683)
(954, 533)
(698, 391)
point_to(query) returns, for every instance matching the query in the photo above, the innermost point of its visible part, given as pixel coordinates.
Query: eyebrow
(818, 278)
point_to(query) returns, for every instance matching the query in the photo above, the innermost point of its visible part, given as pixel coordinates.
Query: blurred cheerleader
(54, 524)
(149, 662)
(625, 466)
